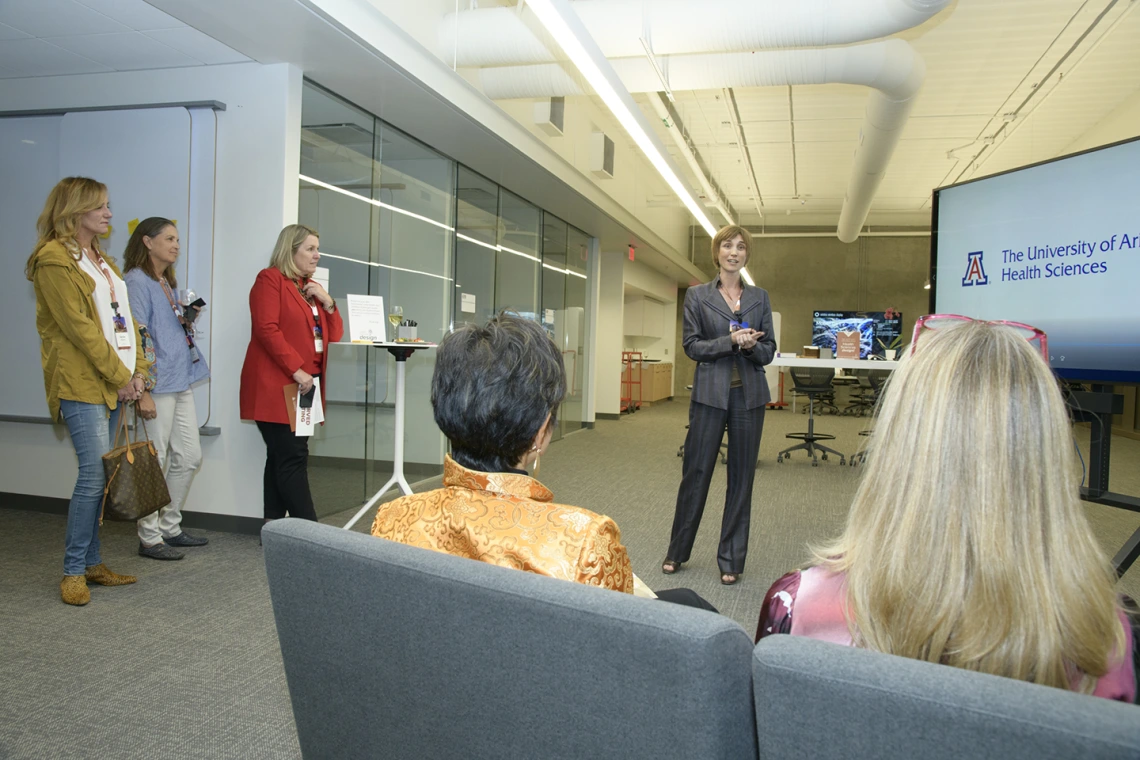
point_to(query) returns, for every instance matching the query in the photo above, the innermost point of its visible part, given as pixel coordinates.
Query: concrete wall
(805, 274)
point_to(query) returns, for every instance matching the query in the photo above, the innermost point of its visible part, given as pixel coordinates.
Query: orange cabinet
(658, 381)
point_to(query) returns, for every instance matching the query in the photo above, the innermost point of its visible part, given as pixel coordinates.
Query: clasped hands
(313, 289)
(746, 338)
(133, 390)
(304, 381)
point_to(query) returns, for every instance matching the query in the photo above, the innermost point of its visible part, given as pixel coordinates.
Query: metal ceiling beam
(746, 156)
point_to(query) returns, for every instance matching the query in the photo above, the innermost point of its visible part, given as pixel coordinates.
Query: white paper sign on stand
(774, 376)
(366, 319)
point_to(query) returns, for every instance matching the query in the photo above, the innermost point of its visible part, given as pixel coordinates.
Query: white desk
(401, 352)
(833, 364)
(802, 361)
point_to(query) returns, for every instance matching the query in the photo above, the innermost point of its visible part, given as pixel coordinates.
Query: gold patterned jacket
(509, 520)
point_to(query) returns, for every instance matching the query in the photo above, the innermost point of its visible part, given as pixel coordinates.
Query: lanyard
(119, 323)
(311, 305)
(318, 333)
(170, 299)
(187, 328)
(110, 280)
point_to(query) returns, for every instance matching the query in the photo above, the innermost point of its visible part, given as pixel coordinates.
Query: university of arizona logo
(975, 272)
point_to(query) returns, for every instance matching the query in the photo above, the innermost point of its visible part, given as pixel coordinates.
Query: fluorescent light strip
(379, 204)
(490, 247)
(563, 271)
(519, 253)
(552, 18)
(385, 266)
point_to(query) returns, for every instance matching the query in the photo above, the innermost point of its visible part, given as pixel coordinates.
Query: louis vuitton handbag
(135, 486)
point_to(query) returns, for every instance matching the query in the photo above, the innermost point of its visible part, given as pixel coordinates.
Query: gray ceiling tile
(136, 14)
(197, 45)
(36, 58)
(56, 18)
(126, 51)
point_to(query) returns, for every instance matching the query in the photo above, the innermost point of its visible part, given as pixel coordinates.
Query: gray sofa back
(396, 652)
(820, 700)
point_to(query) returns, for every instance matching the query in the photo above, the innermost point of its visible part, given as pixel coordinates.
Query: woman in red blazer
(294, 320)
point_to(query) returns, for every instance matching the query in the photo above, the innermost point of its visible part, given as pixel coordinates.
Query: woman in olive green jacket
(92, 358)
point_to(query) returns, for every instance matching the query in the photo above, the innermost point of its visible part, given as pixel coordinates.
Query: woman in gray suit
(728, 333)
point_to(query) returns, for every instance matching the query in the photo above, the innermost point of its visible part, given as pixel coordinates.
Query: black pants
(286, 473)
(707, 425)
(686, 597)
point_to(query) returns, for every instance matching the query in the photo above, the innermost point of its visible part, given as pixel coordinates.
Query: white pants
(175, 435)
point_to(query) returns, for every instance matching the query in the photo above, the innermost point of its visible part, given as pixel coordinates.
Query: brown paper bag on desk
(847, 344)
(291, 405)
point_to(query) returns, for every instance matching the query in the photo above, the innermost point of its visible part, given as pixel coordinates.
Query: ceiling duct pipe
(891, 68)
(505, 37)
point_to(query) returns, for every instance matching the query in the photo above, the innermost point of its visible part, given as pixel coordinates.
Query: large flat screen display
(877, 330)
(1055, 245)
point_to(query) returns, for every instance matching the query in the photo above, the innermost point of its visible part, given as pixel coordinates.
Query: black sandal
(670, 566)
(729, 579)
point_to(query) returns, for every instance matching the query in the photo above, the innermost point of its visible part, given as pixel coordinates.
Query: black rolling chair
(813, 382)
(862, 396)
(723, 446)
(875, 379)
(860, 456)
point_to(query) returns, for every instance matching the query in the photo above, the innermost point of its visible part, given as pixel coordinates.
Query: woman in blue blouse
(149, 273)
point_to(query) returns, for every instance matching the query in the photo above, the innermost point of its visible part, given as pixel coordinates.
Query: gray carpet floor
(185, 663)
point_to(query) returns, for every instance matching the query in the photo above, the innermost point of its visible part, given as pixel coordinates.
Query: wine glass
(395, 317)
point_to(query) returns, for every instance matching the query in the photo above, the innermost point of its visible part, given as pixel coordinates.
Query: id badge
(122, 337)
(318, 341)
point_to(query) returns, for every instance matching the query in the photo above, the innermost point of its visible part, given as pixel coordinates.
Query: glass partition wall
(383, 205)
(398, 220)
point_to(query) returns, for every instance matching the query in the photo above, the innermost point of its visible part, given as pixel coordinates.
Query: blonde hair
(68, 201)
(288, 242)
(966, 543)
(728, 233)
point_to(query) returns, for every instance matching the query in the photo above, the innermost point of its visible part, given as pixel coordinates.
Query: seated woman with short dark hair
(495, 392)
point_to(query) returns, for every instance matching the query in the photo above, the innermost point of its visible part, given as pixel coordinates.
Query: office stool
(870, 387)
(723, 450)
(860, 456)
(863, 398)
(812, 382)
(723, 446)
(825, 401)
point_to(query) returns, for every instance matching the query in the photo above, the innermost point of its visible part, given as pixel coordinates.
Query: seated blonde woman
(967, 543)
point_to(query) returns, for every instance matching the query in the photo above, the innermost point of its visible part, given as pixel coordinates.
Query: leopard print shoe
(104, 577)
(73, 589)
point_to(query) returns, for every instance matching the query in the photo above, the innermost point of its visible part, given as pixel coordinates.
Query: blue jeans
(91, 435)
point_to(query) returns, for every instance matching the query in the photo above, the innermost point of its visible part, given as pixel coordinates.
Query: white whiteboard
(774, 375)
(29, 166)
(155, 162)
